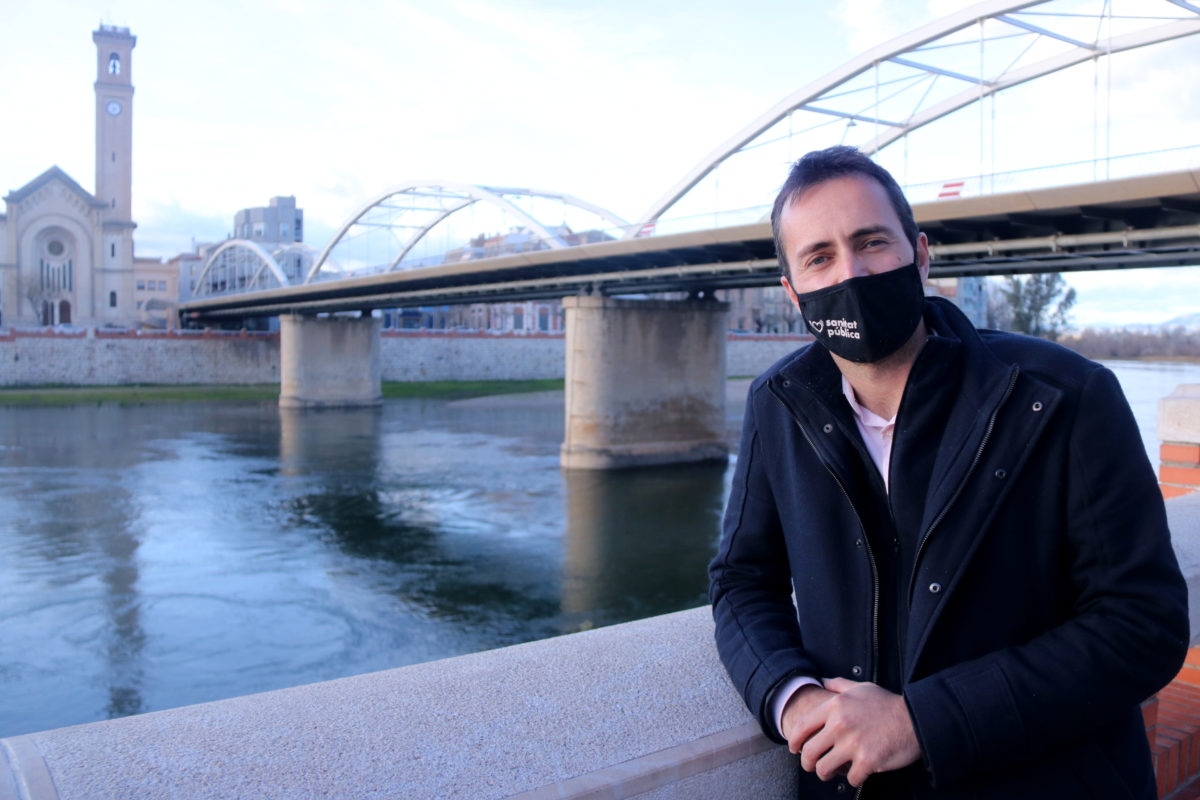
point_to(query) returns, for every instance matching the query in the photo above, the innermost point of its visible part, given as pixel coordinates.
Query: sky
(237, 102)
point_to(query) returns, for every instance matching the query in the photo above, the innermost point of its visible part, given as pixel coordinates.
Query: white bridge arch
(406, 213)
(933, 71)
(239, 265)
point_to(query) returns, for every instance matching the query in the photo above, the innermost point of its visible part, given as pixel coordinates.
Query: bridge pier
(645, 382)
(328, 361)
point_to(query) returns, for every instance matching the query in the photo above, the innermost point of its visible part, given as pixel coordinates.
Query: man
(945, 568)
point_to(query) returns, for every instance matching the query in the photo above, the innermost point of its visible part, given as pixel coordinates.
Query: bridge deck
(1149, 221)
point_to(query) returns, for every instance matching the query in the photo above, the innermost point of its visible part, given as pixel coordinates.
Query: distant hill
(1189, 321)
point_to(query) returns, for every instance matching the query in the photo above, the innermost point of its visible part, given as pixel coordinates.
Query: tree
(39, 297)
(998, 313)
(1040, 304)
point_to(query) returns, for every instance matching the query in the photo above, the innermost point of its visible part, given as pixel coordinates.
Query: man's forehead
(840, 199)
(851, 183)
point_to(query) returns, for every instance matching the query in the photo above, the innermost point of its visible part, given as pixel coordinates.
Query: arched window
(114, 64)
(112, 299)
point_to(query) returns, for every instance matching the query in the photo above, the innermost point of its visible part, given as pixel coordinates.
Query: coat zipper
(866, 543)
(987, 435)
(874, 569)
(870, 556)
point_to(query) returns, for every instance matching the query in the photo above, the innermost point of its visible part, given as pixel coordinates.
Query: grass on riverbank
(143, 393)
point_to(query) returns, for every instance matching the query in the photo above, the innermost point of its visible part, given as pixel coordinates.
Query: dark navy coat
(1017, 585)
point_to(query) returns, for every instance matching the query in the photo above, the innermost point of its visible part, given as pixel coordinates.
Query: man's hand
(850, 728)
(802, 701)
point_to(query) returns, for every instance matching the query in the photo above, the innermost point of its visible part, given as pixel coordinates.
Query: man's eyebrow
(868, 230)
(812, 248)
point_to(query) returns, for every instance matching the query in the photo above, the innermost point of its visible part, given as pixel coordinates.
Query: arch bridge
(246, 266)
(1044, 68)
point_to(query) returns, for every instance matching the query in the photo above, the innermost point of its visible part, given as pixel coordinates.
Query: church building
(66, 255)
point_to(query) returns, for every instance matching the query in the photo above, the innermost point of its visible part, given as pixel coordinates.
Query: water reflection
(159, 555)
(638, 541)
(127, 639)
(329, 439)
(76, 537)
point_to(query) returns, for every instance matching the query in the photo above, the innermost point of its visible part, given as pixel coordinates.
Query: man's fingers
(805, 727)
(802, 732)
(857, 775)
(839, 685)
(814, 749)
(860, 730)
(833, 763)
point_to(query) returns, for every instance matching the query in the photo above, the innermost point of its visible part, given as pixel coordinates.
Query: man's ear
(791, 293)
(923, 256)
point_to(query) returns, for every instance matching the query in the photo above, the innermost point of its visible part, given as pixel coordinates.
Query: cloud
(1134, 297)
(872, 22)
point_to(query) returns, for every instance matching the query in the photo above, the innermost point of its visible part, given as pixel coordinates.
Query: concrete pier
(644, 382)
(328, 362)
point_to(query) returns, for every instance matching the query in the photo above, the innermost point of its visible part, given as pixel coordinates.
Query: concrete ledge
(662, 769)
(624, 711)
(1179, 415)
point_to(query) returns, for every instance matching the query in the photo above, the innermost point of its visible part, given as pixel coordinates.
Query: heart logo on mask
(818, 325)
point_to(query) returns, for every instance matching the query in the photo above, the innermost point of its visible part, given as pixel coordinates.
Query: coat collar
(984, 376)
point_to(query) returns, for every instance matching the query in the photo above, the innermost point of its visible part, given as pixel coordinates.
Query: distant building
(188, 267)
(761, 309)
(155, 293)
(66, 255)
(280, 222)
(969, 294)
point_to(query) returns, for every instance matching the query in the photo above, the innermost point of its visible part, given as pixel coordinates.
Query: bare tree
(1040, 304)
(39, 297)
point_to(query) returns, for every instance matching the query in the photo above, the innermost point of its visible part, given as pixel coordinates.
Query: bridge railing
(1069, 174)
(1074, 173)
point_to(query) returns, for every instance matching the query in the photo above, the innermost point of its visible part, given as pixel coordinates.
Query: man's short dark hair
(836, 162)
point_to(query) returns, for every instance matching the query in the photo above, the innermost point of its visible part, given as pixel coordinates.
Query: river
(165, 554)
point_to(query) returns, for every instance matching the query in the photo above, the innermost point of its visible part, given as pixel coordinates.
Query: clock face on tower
(113, 107)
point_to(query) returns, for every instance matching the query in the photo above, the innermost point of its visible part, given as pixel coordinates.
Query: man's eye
(875, 242)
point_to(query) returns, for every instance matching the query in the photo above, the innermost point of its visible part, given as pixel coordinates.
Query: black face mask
(866, 319)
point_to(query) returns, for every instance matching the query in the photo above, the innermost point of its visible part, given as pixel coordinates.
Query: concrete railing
(630, 710)
(636, 710)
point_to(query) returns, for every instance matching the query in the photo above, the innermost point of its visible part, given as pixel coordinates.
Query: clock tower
(114, 122)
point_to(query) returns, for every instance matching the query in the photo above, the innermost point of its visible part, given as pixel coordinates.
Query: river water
(164, 554)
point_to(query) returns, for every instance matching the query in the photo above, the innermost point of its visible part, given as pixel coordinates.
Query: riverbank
(46, 358)
(156, 393)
